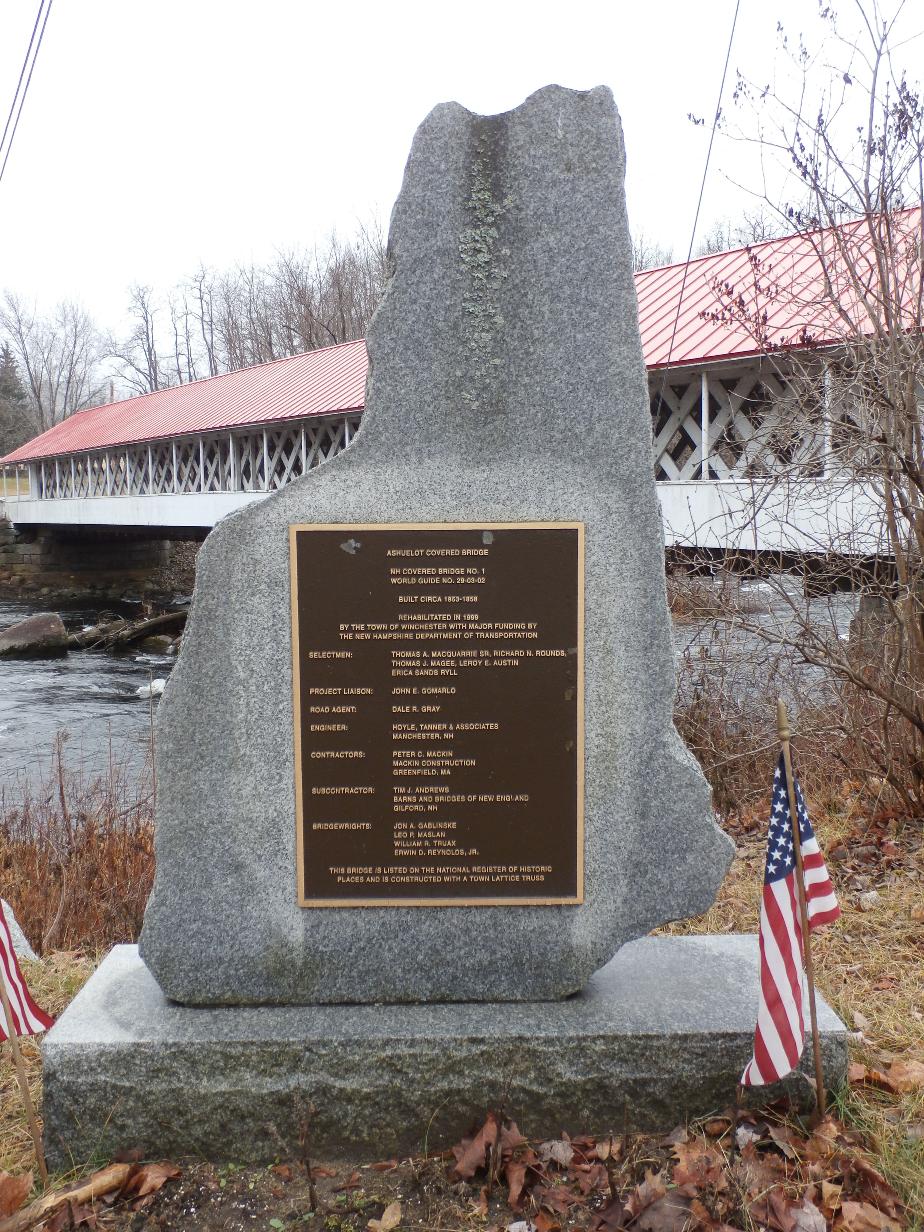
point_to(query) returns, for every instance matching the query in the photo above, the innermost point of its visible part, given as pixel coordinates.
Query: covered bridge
(716, 334)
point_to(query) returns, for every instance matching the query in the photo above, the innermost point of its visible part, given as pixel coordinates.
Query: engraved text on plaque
(438, 674)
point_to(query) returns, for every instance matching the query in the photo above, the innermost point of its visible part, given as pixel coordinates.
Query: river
(91, 694)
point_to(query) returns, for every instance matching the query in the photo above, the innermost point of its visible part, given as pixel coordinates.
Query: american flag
(28, 1019)
(780, 1034)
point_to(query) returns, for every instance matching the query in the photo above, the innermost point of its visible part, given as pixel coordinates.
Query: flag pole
(13, 1037)
(782, 719)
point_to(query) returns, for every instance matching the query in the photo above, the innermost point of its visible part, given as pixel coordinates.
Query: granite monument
(418, 776)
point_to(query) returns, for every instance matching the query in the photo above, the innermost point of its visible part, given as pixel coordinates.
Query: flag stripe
(781, 973)
(28, 1019)
(779, 1037)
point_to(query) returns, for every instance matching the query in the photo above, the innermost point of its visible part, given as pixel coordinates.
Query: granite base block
(661, 1033)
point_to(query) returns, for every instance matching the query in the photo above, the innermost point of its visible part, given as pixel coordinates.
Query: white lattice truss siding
(714, 434)
(734, 427)
(251, 460)
(706, 426)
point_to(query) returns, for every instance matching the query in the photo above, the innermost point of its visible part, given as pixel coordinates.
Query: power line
(702, 187)
(19, 84)
(22, 73)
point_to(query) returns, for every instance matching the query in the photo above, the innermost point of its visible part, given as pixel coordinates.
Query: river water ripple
(90, 694)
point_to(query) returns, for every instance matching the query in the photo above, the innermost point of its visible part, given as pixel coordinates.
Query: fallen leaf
(860, 1177)
(546, 1221)
(148, 1178)
(699, 1163)
(591, 1177)
(521, 1225)
(13, 1192)
(515, 1173)
(757, 1173)
(906, 1076)
(391, 1217)
(471, 1153)
(669, 1214)
(556, 1151)
(788, 1141)
(650, 1190)
(861, 1217)
(609, 1218)
(283, 1171)
(860, 1021)
(676, 1136)
(318, 1171)
(830, 1197)
(745, 1135)
(480, 1206)
(716, 1127)
(808, 1218)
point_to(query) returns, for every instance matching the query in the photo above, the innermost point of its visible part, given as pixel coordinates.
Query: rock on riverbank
(36, 636)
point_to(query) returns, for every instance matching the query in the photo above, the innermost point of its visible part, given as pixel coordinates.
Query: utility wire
(22, 73)
(702, 187)
(19, 84)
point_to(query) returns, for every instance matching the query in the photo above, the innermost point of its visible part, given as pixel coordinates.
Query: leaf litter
(726, 1174)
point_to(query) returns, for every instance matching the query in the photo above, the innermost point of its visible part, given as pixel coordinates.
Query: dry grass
(54, 983)
(701, 596)
(77, 856)
(869, 964)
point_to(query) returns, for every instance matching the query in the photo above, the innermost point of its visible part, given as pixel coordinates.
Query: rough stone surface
(663, 1031)
(507, 384)
(20, 942)
(36, 636)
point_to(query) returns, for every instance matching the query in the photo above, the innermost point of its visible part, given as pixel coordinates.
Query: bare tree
(647, 253)
(843, 328)
(753, 227)
(223, 320)
(141, 365)
(57, 355)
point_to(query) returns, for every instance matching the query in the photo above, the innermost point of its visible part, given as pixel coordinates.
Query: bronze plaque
(438, 677)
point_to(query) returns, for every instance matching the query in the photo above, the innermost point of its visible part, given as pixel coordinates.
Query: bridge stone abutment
(104, 564)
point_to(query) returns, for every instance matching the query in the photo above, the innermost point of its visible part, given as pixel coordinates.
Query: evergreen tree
(16, 424)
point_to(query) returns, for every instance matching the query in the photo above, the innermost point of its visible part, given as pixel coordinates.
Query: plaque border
(578, 898)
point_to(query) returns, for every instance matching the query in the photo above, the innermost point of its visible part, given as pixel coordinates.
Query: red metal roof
(780, 283)
(770, 295)
(322, 382)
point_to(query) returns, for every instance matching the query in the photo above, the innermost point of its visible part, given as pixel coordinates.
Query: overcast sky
(161, 133)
